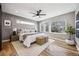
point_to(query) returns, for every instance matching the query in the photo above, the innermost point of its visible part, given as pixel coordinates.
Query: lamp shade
(14, 29)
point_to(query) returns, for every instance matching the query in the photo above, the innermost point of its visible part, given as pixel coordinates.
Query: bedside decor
(14, 35)
(14, 31)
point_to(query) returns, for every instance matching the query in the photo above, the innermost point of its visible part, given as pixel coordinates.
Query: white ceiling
(50, 9)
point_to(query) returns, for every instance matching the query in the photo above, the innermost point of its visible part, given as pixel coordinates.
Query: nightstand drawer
(14, 38)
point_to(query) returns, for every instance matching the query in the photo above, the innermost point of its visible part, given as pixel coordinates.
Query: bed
(22, 36)
(32, 38)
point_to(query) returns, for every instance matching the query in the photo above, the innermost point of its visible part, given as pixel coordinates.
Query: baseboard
(5, 41)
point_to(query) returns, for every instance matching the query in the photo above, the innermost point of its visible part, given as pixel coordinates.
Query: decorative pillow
(24, 37)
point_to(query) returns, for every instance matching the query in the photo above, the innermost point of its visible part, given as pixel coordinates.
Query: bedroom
(30, 29)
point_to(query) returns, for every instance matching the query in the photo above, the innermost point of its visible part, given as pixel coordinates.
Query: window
(77, 25)
(55, 26)
(58, 26)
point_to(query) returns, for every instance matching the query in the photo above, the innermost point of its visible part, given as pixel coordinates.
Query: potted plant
(71, 35)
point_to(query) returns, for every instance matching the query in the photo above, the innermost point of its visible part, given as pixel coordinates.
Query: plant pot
(71, 40)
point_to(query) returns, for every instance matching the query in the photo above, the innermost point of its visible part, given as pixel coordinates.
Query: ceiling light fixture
(23, 22)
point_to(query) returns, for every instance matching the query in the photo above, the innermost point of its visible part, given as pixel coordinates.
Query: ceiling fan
(38, 13)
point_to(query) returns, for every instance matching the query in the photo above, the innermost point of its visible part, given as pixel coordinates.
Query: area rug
(59, 48)
(34, 50)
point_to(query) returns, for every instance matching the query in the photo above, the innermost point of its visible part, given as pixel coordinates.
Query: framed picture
(7, 22)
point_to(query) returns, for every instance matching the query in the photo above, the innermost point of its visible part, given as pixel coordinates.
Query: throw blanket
(32, 38)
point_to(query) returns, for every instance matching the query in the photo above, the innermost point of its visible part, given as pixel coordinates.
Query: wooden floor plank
(60, 48)
(8, 50)
(57, 46)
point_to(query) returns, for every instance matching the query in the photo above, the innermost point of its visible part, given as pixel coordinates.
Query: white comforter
(32, 38)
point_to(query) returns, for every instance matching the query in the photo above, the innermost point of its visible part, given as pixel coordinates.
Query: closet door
(0, 28)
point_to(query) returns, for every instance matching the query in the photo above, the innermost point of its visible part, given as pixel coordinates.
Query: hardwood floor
(8, 50)
(57, 48)
(60, 48)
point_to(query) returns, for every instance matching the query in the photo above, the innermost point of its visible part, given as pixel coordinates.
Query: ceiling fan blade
(32, 13)
(42, 14)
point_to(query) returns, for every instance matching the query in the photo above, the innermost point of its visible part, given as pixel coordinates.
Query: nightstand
(14, 38)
